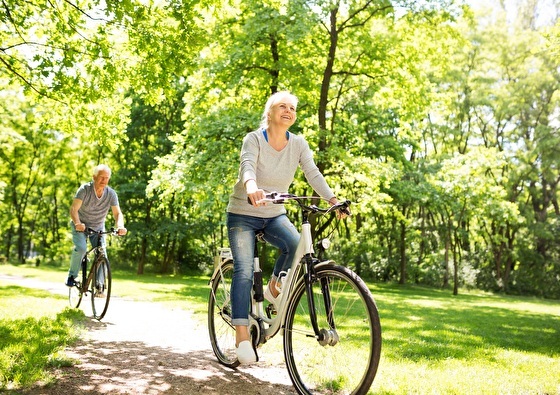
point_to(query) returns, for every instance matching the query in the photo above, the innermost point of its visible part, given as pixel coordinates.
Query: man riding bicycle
(89, 210)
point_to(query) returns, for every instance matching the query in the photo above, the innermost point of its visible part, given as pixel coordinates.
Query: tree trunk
(402, 252)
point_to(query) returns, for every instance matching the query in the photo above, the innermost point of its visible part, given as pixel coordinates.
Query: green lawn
(433, 342)
(33, 331)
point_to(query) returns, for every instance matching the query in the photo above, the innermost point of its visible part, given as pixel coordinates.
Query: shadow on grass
(430, 324)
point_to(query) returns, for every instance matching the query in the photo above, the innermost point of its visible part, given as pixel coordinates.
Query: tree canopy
(438, 120)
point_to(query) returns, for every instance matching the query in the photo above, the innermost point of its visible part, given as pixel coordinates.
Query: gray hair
(99, 168)
(272, 100)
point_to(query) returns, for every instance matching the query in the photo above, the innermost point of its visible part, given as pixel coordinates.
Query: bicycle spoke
(348, 366)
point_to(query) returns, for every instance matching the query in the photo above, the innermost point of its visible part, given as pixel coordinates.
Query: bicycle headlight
(325, 244)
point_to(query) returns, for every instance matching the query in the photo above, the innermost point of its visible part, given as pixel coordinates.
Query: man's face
(101, 180)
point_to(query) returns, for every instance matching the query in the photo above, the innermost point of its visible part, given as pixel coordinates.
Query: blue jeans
(279, 232)
(80, 249)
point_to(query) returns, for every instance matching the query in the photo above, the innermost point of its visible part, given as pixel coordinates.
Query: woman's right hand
(254, 194)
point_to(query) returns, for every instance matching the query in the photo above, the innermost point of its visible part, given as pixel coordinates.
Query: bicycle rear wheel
(222, 332)
(75, 296)
(100, 287)
(349, 364)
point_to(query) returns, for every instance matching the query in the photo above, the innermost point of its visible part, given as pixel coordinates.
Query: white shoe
(245, 353)
(268, 296)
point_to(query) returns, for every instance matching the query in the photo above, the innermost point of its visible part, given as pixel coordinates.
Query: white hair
(99, 168)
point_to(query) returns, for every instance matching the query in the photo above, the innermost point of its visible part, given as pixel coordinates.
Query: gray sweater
(273, 171)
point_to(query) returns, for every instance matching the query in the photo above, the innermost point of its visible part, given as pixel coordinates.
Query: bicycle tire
(221, 331)
(349, 366)
(100, 287)
(75, 293)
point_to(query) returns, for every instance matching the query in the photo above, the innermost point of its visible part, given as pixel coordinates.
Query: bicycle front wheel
(345, 361)
(100, 287)
(75, 293)
(222, 332)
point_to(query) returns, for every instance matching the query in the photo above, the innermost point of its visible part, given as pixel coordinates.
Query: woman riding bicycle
(270, 157)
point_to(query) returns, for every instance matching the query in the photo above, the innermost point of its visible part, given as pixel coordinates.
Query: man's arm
(119, 220)
(75, 216)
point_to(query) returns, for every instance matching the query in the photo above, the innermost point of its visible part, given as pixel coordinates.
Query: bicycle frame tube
(304, 252)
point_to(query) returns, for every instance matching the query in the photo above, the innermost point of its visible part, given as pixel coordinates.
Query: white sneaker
(268, 296)
(245, 353)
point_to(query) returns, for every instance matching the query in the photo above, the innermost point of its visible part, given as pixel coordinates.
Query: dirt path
(143, 348)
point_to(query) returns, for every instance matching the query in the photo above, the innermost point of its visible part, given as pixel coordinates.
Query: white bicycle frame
(305, 247)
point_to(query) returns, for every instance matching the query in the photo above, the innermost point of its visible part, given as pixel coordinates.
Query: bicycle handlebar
(281, 198)
(112, 231)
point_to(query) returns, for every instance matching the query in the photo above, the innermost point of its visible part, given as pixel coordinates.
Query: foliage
(439, 122)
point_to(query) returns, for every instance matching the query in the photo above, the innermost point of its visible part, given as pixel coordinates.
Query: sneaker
(70, 282)
(268, 293)
(245, 353)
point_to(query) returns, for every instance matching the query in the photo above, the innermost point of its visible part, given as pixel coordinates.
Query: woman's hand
(254, 194)
(339, 214)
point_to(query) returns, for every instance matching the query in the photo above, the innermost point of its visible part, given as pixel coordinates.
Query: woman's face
(283, 112)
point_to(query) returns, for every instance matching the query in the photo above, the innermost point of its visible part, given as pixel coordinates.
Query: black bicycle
(98, 282)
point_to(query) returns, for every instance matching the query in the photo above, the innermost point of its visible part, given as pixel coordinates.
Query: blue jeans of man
(279, 232)
(80, 248)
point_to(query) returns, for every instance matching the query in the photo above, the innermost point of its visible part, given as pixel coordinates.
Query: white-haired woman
(270, 157)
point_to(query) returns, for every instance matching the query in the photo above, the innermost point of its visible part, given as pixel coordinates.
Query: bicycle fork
(325, 337)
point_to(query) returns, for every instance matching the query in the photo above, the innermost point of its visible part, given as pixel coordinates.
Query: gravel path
(144, 348)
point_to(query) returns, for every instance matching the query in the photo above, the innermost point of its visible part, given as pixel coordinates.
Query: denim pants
(279, 232)
(80, 248)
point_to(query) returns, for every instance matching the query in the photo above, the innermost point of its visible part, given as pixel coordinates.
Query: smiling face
(101, 180)
(283, 111)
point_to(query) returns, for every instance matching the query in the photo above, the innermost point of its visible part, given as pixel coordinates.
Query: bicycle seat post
(257, 273)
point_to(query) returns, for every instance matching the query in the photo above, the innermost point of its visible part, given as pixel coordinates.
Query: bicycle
(98, 281)
(328, 317)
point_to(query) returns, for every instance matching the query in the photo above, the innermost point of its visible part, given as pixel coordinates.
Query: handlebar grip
(344, 208)
(271, 195)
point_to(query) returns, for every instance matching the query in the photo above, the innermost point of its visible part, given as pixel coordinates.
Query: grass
(436, 343)
(433, 342)
(33, 332)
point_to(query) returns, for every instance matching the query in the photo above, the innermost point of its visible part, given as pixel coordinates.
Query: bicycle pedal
(271, 310)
